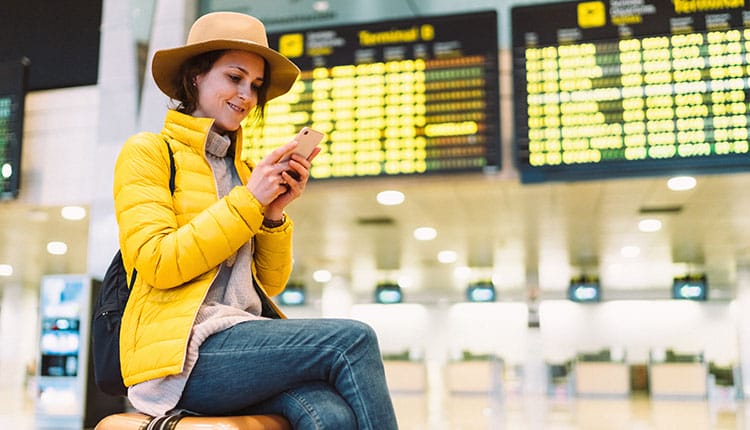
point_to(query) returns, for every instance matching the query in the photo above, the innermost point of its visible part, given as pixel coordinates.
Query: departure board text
(399, 97)
(636, 87)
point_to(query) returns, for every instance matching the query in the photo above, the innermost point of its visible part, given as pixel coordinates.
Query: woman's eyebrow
(243, 70)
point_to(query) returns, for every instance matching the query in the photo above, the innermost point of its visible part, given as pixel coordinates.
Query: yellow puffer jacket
(176, 243)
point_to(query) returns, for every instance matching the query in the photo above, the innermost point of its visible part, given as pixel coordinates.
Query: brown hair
(187, 92)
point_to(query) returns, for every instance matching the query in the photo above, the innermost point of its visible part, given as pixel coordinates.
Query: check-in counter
(601, 373)
(674, 374)
(404, 376)
(602, 378)
(678, 380)
(474, 376)
(407, 383)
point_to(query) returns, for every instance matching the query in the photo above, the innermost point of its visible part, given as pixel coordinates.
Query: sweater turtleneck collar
(217, 144)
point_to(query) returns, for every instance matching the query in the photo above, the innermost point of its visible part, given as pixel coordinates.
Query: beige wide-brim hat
(220, 31)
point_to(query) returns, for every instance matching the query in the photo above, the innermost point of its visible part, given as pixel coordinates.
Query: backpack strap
(172, 168)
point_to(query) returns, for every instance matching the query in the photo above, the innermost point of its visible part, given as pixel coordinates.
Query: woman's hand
(273, 186)
(295, 177)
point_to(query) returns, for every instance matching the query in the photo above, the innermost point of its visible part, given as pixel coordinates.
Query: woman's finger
(279, 153)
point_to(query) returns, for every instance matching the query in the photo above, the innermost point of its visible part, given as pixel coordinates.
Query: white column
(118, 85)
(171, 22)
(743, 324)
(120, 114)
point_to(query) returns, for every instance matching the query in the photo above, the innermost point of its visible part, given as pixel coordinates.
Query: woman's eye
(235, 78)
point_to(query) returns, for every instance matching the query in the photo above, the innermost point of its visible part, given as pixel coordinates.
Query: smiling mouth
(236, 108)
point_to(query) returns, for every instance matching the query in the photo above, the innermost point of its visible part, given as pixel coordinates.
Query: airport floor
(550, 413)
(515, 412)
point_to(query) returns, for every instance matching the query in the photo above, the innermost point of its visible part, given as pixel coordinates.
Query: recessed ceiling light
(447, 256)
(57, 248)
(321, 6)
(681, 183)
(425, 233)
(73, 213)
(6, 270)
(649, 225)
(322, 276)
(390, 197)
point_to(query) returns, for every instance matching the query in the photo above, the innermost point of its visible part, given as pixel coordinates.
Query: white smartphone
(307, 139)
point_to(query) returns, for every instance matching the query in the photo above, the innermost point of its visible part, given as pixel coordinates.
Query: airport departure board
(400, 97)
(630, 87)
(13, 83)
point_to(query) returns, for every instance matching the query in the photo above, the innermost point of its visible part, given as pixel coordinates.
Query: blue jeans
(319, 373)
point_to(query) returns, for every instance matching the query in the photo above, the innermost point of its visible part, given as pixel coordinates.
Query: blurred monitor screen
(690, 288)
(13, 86)
(481, 292)
(293, 295)
(388, 294)
(584, 291)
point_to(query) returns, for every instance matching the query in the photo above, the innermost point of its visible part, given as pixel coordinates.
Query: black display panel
(630, 87)
(13, 83)
(690, 288)
(60, 37)
(585, 290)
(398, 97)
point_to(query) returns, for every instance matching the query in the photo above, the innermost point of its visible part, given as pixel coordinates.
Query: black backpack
(107, 314)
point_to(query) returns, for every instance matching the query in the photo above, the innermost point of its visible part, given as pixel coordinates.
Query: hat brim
(167, 62)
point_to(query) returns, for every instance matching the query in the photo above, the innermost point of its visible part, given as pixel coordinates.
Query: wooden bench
(138, 421)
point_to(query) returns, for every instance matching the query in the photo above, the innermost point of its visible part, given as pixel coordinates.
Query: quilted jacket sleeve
(273, 256)
(171, 246)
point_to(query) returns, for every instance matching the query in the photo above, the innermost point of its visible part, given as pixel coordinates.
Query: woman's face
(229, 90)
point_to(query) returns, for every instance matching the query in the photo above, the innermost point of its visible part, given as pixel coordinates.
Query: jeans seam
(356, 391)
(341, 352)
(309, 410)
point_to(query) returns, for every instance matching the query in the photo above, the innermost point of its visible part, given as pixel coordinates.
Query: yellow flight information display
(630, 87)
(401, 97)
(13, 83)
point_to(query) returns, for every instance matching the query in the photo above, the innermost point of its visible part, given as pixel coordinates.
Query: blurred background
(509, 289)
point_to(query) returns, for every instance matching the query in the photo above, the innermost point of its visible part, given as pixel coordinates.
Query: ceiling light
(390, 197)
(6, 270)
(425, 233)
(322, 276)
(681, 183)
(649, 225)
(447, 256)
(321, 6)
(57, 248)
(73, 213)
(630, 251)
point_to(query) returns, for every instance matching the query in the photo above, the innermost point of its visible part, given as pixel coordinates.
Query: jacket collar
(193, 131)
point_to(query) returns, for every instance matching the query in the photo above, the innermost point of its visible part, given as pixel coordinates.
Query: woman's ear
(197, 79)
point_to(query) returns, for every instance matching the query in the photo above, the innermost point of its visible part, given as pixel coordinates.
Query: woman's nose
(246, 91)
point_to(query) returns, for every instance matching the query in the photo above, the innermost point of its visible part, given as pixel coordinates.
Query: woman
(199, 333)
